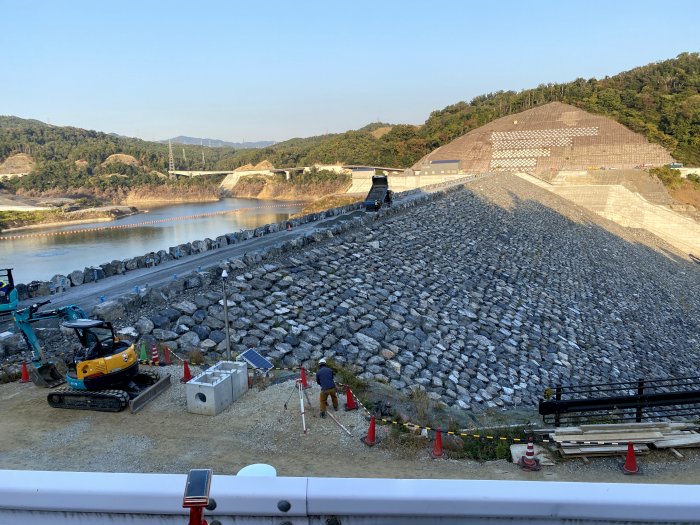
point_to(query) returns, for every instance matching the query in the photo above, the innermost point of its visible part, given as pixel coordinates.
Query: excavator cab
(96, 338)
(8, 294)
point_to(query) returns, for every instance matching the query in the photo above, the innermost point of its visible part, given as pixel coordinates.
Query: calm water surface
(42, 257)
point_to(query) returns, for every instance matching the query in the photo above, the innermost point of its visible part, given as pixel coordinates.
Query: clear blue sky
(280, 69)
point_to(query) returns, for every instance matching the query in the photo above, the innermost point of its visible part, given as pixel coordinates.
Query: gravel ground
(258, 429)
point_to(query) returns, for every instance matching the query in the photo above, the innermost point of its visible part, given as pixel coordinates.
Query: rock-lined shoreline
(483, 298)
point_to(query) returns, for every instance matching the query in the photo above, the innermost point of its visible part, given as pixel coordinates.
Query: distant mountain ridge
(216, 143)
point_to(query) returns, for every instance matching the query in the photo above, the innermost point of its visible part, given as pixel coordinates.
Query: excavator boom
(41, 372)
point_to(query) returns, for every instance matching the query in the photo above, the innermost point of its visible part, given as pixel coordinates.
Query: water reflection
(41, 257)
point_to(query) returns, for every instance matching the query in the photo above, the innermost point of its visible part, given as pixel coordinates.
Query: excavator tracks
(147, 385)
(100, 400)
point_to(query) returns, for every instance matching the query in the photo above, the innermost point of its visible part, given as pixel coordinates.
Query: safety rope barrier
(145, 223)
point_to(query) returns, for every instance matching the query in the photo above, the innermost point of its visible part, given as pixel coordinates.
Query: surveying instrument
(301, 388)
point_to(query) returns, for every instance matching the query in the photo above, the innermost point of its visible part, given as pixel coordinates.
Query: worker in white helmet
(324, 377)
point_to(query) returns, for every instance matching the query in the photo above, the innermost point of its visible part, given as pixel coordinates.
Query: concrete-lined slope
(630, 209)
(546, 139)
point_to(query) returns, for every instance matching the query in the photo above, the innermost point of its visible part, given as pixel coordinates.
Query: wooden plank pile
(612, 440)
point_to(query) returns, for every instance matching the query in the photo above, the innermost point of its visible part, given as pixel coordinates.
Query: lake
(42, 253)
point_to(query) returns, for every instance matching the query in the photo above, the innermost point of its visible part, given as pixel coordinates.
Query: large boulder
(164, 335)
(77, 277)
(39, 288)
(10, 344)
(109, 311)
(185, 307)
(144, 325)
(128, 332)
(188, 340)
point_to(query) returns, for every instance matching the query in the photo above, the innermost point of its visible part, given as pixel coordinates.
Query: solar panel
(255, 360)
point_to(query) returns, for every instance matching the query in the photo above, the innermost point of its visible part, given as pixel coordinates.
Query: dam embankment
(483, 297)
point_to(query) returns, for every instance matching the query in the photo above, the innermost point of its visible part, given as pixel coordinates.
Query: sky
(273, 70)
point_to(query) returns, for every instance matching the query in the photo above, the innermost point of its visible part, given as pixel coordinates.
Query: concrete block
(239, 380)
(209, 393)
(238, 371)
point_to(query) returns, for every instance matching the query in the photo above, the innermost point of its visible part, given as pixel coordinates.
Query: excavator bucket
(45, 375)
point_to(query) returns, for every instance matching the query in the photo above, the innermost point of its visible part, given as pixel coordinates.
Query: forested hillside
(661, 101)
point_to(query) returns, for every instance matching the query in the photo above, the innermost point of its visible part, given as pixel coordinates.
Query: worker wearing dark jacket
(324, 377)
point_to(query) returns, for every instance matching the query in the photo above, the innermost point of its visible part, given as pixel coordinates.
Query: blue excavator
(104, 374)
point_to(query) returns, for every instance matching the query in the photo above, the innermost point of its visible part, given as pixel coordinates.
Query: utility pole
(224, 277)
(171, 159)
(184, 157)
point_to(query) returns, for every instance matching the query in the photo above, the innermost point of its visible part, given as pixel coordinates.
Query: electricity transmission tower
(171, 159)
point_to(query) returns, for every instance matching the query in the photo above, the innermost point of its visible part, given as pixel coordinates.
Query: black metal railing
(644, 399)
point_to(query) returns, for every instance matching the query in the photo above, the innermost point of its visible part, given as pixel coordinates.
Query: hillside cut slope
(548, 138)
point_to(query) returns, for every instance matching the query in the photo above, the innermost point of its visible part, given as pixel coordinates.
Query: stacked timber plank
(612, 440)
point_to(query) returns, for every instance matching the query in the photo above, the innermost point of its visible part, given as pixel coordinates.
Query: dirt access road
(258, 428)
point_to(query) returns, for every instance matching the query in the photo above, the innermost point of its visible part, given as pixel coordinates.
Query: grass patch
(196, 357)
(347, 375)
(485, 449)
(15, 219)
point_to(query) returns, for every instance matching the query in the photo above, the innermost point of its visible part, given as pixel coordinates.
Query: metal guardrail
(657, 399)
(106, 498)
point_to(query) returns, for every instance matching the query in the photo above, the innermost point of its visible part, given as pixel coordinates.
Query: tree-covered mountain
(660, 101)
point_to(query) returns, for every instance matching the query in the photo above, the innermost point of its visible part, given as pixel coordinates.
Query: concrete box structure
(238, 371)
(239, 380)
(209, 393)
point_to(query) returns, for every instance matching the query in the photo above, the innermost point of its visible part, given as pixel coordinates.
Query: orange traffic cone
(186, 375)
(154, 355)
(630, 466)
(166, 356)
(350, 405)
(529, 461)
(25, 373)
(437, 451)
(370, 439)
(302, 378)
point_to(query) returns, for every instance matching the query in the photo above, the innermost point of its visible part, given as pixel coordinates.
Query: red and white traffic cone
(529, 461)
(154, 355)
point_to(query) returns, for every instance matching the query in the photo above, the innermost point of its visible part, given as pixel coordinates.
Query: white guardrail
(43, 498)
